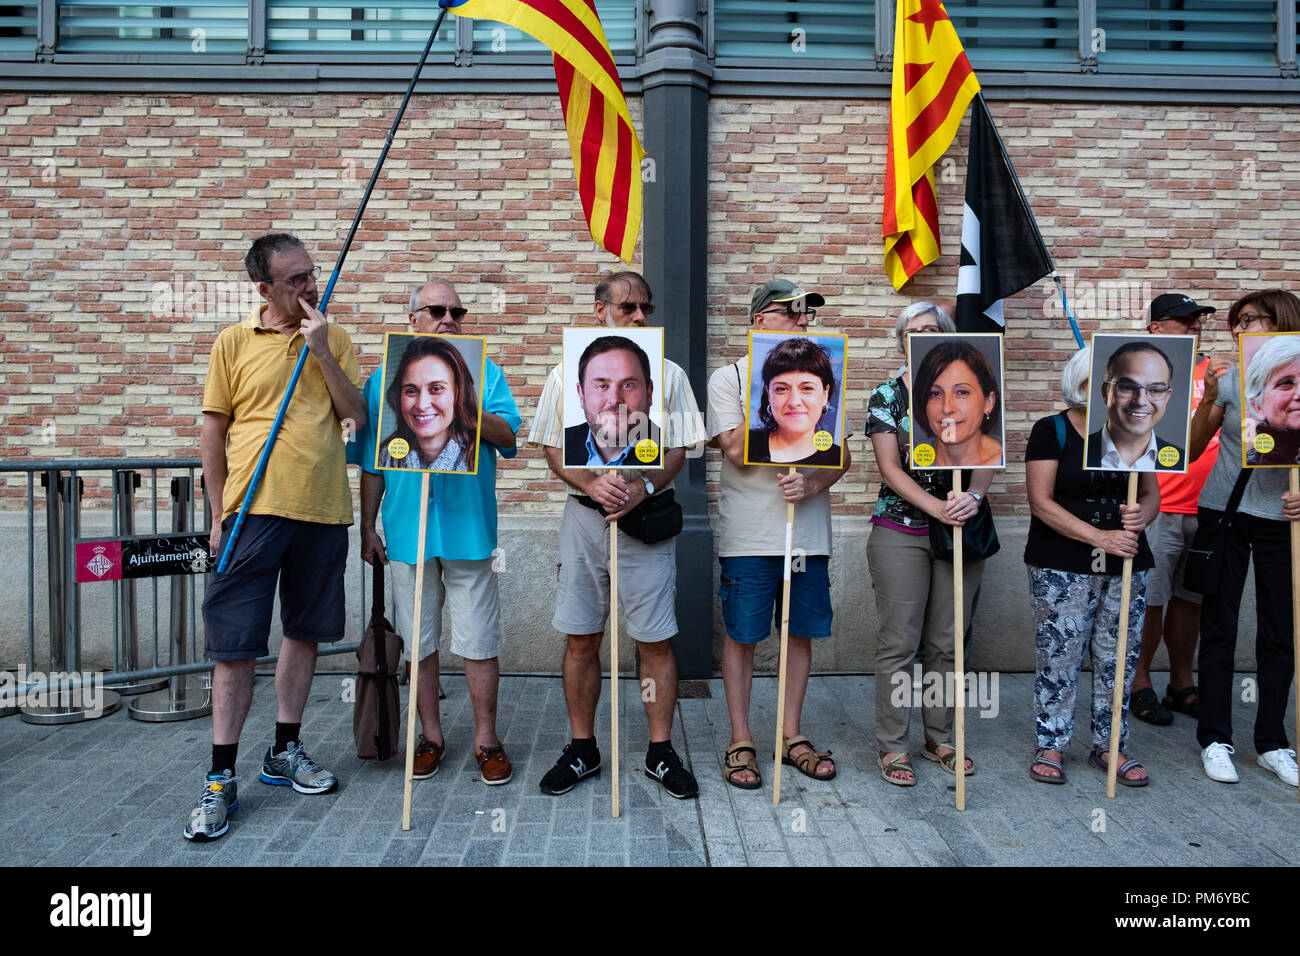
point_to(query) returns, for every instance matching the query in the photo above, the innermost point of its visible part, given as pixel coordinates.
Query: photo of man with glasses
(1140, 384)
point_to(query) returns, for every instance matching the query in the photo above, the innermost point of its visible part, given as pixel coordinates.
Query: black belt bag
(1200, 572)
(653, 520)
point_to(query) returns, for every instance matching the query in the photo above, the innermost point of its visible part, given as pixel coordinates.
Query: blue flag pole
(1074, 326)
(228, 554)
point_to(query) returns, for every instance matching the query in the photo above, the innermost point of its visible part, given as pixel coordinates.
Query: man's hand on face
(315, 328)
(611, 492)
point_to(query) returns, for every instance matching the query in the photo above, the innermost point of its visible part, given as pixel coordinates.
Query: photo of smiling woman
(794, 417)
(957, 401)
(1271, 389)
(431, 404)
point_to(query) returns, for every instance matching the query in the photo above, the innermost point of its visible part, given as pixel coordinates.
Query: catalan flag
(932, 85)
(606, 153)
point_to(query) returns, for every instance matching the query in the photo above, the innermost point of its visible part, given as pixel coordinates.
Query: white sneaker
(1217, 761)
(1282, 763)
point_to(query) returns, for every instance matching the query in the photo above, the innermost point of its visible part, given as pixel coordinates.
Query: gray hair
(1271, 356)
(415, 295)
(921, 308)
(1074, 378)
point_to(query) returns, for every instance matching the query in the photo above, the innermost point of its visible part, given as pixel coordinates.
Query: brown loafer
(427, 757)
(493, 765)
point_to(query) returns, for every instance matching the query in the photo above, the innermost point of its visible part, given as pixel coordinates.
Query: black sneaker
(676, 779)
(568, 770)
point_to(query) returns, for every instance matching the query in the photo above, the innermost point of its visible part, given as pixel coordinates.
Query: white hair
(1074, 378)
(1271, 356)
(415, 295)
(921, 308)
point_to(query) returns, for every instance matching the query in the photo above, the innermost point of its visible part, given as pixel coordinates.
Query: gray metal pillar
(124, 484)
(675, 74)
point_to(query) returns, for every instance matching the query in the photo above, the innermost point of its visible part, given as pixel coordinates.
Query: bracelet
(976, 495)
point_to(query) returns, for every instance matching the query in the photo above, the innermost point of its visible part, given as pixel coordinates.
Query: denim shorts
(751, 597)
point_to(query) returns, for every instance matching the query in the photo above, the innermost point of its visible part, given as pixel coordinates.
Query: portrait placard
(1270, 399)
(955, 408)
(1139, 403)
(613, 398)
(794, 407)
(430, 416)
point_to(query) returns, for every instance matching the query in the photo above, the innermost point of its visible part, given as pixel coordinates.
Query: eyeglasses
(301, 278)
(793, 314)
(924, 329)
(436, 312)
(629, 308)
(1129, 390)
(1246, 319)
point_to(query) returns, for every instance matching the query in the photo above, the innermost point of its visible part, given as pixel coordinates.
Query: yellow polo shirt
(306, 477)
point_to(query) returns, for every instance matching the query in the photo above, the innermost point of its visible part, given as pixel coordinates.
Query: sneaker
(219, 799)
(493, 765)
(568, 770)
(1282, 763)
(676, 779)
(1217, 760)
(428, 756)
(294, 768)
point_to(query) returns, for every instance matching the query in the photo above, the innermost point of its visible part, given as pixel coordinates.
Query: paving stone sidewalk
(117, 791)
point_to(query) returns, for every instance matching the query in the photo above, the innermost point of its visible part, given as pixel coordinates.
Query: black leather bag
(376, 714)
(653, 520)
(1199, 572)
(979, 538)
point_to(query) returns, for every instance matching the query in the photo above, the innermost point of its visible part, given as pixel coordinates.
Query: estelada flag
(606, 152)
(932, 85)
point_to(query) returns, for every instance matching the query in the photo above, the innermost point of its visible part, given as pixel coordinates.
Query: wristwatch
(976, 495)
(649, 486)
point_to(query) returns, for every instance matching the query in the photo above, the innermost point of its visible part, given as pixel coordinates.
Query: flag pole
(1029, 214)
(274, 433)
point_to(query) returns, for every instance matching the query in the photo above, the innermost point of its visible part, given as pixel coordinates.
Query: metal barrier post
(188, 695)
(65, 647)
(124, 484)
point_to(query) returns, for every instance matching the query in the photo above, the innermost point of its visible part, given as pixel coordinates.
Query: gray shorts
(647, 579)
(469, 589)
(1169, 536)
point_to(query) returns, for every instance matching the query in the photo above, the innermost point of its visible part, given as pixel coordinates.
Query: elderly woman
(1259, 527)
(1273, 402)
(798, 384)
(914, 589)
(1077, 518)
(434, 401)
(958, 404)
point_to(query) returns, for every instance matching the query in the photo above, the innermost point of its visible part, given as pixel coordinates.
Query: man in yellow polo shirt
(296, 529)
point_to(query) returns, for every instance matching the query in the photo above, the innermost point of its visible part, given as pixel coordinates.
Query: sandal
(1122, 775)
(1147, 708)
(732, 764)
(888, 767)
(806, 763)
(1178, 700)
(1046, 762)
(948, 761)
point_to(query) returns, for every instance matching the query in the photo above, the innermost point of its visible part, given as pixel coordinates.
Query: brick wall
(124, 220)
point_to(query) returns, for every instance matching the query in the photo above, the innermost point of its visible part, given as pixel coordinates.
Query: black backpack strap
(1238, 489)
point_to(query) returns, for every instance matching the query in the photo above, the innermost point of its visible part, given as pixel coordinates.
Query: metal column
(124, 484)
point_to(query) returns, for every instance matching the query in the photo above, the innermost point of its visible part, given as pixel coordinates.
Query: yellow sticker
(647, 450)
(822, 440)
(923, 455)
(1168, 456)
(1263, 443)
(216, 787)
(398, 449)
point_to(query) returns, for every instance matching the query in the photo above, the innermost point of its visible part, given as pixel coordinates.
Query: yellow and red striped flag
(933, 83)
(606, 152)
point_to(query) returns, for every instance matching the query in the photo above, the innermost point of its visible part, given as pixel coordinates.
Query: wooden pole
(785, 643)
(613, 657)
(415, 655)
(959, 654)
(1295, 598)
(1121, 650)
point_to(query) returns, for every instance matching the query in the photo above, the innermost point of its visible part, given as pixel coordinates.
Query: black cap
(782, 290)
(1175, 305)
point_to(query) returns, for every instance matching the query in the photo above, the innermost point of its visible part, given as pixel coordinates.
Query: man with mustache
(1137, 392)
(296, 528)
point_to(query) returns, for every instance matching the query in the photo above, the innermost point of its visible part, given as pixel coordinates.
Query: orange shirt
(1179, 493)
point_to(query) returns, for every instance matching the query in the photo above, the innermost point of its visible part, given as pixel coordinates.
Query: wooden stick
(1295, 598)
(785, 643)
(613, 657)
(415, 655)
(1121, 650)
(959, 654)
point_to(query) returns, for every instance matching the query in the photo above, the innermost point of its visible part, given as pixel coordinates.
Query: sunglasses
(438, 311)
(629, 308)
